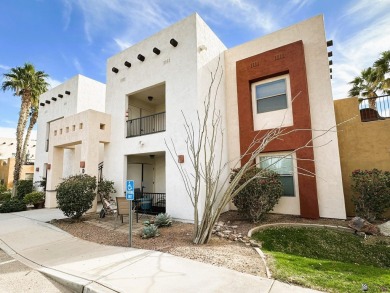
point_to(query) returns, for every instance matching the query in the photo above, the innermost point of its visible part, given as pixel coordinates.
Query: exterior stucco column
(54, 175)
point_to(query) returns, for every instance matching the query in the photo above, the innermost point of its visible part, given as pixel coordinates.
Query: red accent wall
(286, 59)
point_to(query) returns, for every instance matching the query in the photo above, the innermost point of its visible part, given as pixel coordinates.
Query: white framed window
(271, 96)
(271, 103)
(283, 165)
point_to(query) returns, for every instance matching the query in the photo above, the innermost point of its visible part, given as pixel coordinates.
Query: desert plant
(34, 197)
(105, 187)
(150, 231)
(260, 195)
(76, 194)
(4, 196)
(163, 220)
(24, 187)
(12, 205)
(371, 193)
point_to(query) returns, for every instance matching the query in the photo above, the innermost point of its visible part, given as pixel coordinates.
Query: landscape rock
(360, 225)
(385, 228)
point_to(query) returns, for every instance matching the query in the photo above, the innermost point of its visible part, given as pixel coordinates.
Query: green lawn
(327, 259)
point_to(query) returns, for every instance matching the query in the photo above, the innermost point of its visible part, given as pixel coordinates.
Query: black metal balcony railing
(146, 125)
(372, 109)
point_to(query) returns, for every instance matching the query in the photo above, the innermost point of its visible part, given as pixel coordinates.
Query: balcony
(372, 109)
(146, 125)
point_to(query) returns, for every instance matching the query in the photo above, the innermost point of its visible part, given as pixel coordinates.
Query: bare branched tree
(207, 181)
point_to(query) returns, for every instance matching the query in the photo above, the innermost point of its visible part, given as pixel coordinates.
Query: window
(271, 96)
(283, 165)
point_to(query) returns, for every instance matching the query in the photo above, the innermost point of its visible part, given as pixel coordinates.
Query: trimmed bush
(4, 196)
(12, 205)
(24, 187)
(150, 231)
(3, 188)
(76, 194)
(105, 187)
(163, 220)
(34, 197)
(260, 195)
(371, 193)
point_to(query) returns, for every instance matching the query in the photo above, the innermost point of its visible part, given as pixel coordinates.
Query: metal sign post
(130, 197)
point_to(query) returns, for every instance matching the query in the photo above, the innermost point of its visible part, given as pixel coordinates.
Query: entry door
(148, 177)
(134, 172)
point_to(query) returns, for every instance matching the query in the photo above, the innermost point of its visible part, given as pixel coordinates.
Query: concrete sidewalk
(89, 267)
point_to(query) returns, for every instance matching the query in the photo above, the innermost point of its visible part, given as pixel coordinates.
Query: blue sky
(67, 37)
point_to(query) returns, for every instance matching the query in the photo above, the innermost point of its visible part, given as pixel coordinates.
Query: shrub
(163, 219)
(24, 187)
(3, 188)
(76, 194)
(12, 205)
(105, 187)
(34, 197)
(260, 195)
(4, 196)
(150, 231)
(371, 193)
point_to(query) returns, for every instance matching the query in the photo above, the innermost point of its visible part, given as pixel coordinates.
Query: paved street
(16, 277)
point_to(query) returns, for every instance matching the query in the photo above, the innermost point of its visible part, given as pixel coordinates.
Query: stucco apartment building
(279, 80)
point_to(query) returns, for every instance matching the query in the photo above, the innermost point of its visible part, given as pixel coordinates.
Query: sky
(69, 37)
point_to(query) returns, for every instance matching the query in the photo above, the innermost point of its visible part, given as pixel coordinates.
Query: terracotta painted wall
(363, 145)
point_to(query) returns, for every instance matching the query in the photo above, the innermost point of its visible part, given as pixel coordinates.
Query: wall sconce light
(150, 98)
(330, 54)
(54, 99)
(37, 169)
(180, 159)
(67, 92)
(115, 70)
(42, 104)
(156, 51)
(48, 166)
(141, 57)
(329, 43)
(173, 42)
(330, 62)
(60, 96)
(82, 164)
(47, 102)
(127, 64)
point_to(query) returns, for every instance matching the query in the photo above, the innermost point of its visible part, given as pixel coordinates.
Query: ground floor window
(284, 166)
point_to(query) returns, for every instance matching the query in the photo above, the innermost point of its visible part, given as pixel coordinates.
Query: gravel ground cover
(176, 239)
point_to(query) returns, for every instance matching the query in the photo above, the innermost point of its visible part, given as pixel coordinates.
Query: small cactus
(150, 231)
(162, 220)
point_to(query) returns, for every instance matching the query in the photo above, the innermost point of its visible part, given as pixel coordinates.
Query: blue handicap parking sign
(130, 189)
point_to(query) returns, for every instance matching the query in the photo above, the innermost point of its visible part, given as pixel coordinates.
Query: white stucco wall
(180, 69)
(85, 93)
(327, 162)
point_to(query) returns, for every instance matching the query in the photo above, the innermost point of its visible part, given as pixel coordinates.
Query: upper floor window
(271, 103)
(271, 96)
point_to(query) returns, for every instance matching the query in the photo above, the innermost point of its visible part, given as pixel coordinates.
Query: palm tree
(372, 80)
(382, 66)
(28, 84)
(33, 120)
(366, 85)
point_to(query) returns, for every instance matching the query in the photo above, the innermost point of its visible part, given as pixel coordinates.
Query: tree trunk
(33, 121)
(24, 108)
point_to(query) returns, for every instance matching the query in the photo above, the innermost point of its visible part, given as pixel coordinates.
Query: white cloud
(77, 65)
(122, 44)
(53, 82)
(67, 13)
(359, 49)
(5, 67)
